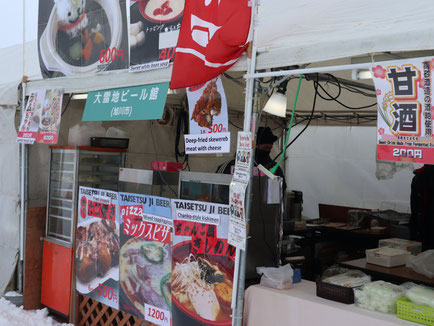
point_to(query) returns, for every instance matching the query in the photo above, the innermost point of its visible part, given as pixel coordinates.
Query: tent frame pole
(314, 70)
(241, 255)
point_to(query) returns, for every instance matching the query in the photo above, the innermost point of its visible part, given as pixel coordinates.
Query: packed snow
(11, 315)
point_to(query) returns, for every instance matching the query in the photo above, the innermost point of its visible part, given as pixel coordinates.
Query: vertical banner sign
(202, 264)
(154, 30)
(145, 258)
(29, 125)
(49, 120)
(81, 37)
(208, 119)
(97, 246)
(237, 190)
(404, 95)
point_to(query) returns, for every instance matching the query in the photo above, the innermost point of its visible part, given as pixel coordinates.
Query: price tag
(157, 316)
(106, 292)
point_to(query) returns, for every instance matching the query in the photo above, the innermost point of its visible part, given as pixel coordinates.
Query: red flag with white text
(213, 35)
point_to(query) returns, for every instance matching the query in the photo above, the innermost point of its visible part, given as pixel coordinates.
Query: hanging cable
(67, 104)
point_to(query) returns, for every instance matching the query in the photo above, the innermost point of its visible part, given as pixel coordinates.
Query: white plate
(113, 272)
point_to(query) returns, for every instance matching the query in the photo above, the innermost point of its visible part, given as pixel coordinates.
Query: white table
(299, 306)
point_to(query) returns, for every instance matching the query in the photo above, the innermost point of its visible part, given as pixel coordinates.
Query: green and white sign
(144, 102)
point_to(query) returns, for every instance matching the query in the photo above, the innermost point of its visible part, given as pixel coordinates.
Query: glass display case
(70, 167)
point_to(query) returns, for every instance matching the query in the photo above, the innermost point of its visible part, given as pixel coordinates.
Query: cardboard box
(413, 247)
(166, 166)
(387, 257)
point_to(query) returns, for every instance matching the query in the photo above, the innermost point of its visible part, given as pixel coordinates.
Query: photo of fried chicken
(208, 105)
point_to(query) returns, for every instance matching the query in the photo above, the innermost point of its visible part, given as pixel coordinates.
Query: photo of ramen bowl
(161, 11)
(57, 48)
(201, 286)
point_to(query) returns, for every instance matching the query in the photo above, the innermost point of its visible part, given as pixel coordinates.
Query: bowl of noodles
(202, 285)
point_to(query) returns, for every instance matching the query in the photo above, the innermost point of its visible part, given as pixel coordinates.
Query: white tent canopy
(288, 33)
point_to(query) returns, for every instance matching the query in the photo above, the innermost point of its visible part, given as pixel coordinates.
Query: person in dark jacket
(422, 206)
(264, 143)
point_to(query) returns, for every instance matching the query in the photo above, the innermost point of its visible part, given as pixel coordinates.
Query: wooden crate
(94, 313)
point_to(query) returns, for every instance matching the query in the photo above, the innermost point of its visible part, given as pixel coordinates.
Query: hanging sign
(243, 158)
(97, 246)
(81, 37)
(41, 119)
(154, 30)
(144, 102)
(237, 221)
(208, 113)
(145, 257)
(202, 264)
(404, 95)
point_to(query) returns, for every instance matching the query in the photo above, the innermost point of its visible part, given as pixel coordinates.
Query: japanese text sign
(97, 246)
(144, 102)
(154, 30)
(145, 259)
(41, 118)
(201, 242)
(404, 95)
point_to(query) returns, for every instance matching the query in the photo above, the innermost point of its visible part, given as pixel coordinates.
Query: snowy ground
(11, 315)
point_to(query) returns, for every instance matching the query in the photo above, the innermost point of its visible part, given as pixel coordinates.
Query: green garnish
(153, 253)
(166, 278)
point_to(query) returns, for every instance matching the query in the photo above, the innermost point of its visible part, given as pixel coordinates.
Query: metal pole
(23, 196)
(248, 108)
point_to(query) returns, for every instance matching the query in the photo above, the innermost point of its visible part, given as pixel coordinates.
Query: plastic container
(387, 257)
(413, 312)
(413, 247)
(333, 292)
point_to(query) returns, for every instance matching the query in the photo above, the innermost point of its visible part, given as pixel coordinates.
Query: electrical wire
(67, 104)
(307, 124)
(156, 160)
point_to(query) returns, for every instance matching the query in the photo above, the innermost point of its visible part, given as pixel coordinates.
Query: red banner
(213, 36)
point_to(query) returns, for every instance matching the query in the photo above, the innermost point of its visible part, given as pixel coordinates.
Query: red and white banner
(404, 95)
(214, 34)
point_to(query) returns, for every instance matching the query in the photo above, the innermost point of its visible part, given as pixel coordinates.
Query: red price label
(157, 315)
(110, 55)
(166, 54)
(216, 128)
(106, 292)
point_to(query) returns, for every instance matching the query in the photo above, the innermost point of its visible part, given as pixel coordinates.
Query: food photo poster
(145, 257)
(202, 264)
(82, 37)
(97, 246)
(153, 34)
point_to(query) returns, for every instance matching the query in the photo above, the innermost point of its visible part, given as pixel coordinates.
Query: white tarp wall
(337, 166)
(9, 193)
(306, 31)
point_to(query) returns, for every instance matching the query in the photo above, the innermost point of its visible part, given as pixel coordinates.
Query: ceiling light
(276, 104)
(79, 96)
(361, 74)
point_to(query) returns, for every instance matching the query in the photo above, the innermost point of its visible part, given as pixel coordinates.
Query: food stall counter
(300, 306)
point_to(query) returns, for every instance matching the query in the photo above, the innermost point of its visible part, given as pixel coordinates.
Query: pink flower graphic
(379, 72)
(381, 131)
(378, 91)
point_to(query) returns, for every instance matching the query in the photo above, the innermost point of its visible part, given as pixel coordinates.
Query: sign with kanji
(97, 245)
(145, 257)
(404, 95)
(40, 121)
(154, 30)
(203, 259)
(144, 102)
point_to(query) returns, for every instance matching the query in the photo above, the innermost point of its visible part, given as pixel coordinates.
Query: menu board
(154, 30)
(97, 246)
(145, 257)
(202, 264)
(82, 37)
